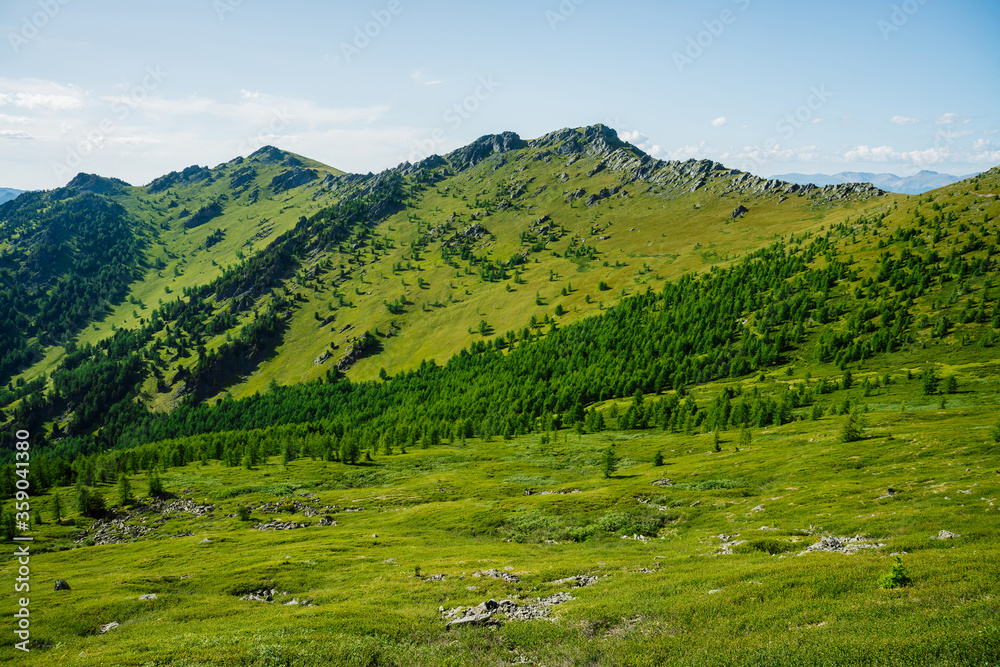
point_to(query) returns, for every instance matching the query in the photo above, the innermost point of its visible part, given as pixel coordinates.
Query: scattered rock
(484, 613)
(947, 535)
(759, 508)
(108, 626)
(663, 482)
(843, 545)
(579, 581)
(62, 585)
(148, 596)
(497, 574)
(740, 211)
(279, 525)
(728, 542)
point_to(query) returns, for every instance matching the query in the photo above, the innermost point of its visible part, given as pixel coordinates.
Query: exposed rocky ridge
(669, 178)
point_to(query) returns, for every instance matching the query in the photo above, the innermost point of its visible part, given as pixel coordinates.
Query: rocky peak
(483, 148)
(96, 184)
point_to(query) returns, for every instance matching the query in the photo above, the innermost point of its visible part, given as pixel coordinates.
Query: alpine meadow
(563, 400)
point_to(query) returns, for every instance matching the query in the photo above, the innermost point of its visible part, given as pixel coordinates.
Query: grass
(666, 600)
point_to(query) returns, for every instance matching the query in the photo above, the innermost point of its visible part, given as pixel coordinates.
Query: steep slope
(498, 238)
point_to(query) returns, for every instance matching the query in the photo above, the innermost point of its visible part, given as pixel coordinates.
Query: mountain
(613, 392)
(6, 194)
(919, 183)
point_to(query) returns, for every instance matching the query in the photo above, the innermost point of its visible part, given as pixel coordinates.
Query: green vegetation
(529, 362)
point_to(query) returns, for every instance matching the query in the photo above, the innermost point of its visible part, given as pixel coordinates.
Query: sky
(134, 90)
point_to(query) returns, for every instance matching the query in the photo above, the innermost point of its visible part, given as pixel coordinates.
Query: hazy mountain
(919, 183)
(6, 194)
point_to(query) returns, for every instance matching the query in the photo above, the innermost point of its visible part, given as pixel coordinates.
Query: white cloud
(951, 118)
(641, 141)
(903, 120)
(422, 79)
(719, 122)
(696, 151)
(51, 102)
(249, 94)
(15, 135)
(890, 154)
(14, 120)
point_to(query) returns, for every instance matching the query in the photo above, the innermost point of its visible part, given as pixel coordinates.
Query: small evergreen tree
(155, 486)
(609, 462)
(124, 490)
(854, 426)
(658, 458)
(716, 445)
(56, 508)
(930, 381)
(897, 577)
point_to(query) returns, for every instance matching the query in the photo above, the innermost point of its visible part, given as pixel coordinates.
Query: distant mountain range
(919, 183)
(6, 194)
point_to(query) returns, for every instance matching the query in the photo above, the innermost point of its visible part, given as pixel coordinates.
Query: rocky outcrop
(491, 611)
(843, 545)
(292, 178)
(279, 525)
(484, 148)
(497, 574)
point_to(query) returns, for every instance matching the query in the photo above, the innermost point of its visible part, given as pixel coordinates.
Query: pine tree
(124, 490)
(56, 508)
(609, 462)
(854, 426)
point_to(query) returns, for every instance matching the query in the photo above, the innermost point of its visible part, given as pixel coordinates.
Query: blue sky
(136, 89)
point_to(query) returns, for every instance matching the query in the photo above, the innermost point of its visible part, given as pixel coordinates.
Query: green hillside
(662, 413)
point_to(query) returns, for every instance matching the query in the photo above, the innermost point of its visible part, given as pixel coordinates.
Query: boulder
(62, 585)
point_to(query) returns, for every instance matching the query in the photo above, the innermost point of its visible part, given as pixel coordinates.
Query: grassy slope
(451, 510)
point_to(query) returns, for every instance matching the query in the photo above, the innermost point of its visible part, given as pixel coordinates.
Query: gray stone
(62, 585)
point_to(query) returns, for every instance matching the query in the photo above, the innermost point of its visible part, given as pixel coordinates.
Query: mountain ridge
(920, 183)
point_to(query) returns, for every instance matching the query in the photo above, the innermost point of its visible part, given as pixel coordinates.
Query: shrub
(768, 546)
(243, 513)
(897, 576)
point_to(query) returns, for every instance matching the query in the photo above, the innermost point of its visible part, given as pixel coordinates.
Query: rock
(497, 574)
(759, 508)
(579, 581)
(740, 211)
(947, 535)
(62, 585)
(108, 626)
(843, 545)
(663, 482)
(207, 540)
(148, 596)
(715, 590)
